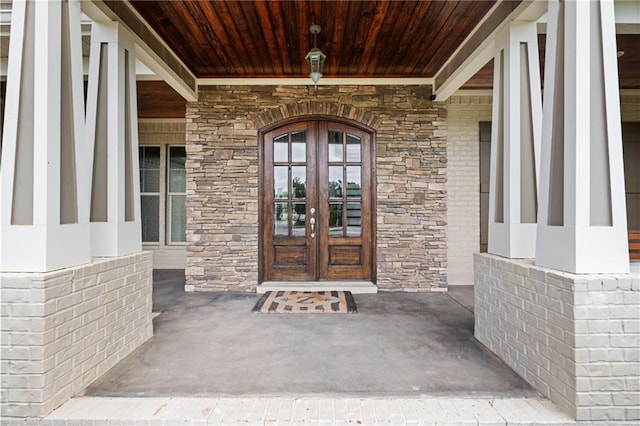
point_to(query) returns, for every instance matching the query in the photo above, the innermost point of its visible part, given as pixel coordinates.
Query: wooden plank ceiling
(270, 38)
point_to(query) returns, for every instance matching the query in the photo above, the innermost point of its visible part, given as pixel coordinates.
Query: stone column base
(62, 330)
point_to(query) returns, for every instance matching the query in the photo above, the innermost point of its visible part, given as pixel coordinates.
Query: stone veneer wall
(463, 182)
(62, 330)
(222, 179)
(575, 338)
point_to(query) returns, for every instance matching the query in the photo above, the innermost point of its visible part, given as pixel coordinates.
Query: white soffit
(150, 47)
(468, 59)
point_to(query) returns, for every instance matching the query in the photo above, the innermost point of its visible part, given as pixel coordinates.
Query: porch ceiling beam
(479, 47)
(150, 48)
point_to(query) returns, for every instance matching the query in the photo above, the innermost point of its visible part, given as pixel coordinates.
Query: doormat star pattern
(306, 302)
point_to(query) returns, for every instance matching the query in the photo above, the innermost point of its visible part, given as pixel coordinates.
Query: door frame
(373, 195)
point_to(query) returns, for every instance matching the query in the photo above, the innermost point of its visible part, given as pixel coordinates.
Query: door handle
(312, 222)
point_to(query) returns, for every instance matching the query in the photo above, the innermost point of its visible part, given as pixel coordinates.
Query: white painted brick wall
(464, 114)
(575, 338)
(62, 330)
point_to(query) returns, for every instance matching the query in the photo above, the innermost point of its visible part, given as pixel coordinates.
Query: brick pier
(575, 338)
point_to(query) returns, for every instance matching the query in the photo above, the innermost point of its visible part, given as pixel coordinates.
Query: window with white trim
(163, 194)
(150, 193)
(176, 195)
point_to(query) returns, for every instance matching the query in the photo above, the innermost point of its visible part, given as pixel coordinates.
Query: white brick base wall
(575, 338)
(62, 330)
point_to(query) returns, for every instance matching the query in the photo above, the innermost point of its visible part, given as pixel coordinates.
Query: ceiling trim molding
(162, 120)
(329, 81)
(478, 48)
(150, 48)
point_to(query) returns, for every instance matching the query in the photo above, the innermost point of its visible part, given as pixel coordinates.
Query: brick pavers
(93, 411)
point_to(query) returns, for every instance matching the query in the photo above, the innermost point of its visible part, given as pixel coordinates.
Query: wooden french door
(316, 204)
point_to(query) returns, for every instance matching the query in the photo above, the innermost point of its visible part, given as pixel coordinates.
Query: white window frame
(158, 194)
(164, 224)
(169, 198)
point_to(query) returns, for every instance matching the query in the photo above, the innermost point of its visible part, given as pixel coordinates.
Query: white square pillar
(582, 225)
(515, 142)
(43, 182)
(112, 132)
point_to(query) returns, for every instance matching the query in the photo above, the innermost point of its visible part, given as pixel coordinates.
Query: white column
(43, 182)
(515, 142)
(582, 225)
(112, 132)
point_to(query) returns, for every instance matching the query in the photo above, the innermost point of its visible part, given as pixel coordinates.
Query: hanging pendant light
(315, 57)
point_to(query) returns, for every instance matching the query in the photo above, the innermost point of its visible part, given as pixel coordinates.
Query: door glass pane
(280, 148)
(298, 182)
(335, 146)
(298, 219)
(280, 181)
(335, 181)
(354, 189)
(177, 180)
(354, 219)
(335, 219)
(298, 147)
(150, 212)
(280, 219)
(353, 149)
(178, 219)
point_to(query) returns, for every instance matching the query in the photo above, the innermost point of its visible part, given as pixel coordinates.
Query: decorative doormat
(306, 302)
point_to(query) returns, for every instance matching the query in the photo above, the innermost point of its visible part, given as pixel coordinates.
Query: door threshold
(355, 287)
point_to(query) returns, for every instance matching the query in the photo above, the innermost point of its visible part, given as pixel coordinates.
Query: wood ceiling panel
(156, 99)
(629, 63)
(270, 38)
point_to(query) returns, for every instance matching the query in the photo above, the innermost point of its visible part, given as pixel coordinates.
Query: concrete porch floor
(403, 359)
(397, 344)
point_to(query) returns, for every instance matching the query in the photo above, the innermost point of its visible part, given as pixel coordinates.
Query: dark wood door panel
(345, 201)
(317, 224)
(345, 255)
(289, 255)
(288, 193)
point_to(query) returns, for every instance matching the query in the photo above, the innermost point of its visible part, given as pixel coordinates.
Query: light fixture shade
(315, 58)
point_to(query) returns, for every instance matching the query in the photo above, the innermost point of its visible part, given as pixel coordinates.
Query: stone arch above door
(280, 114)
